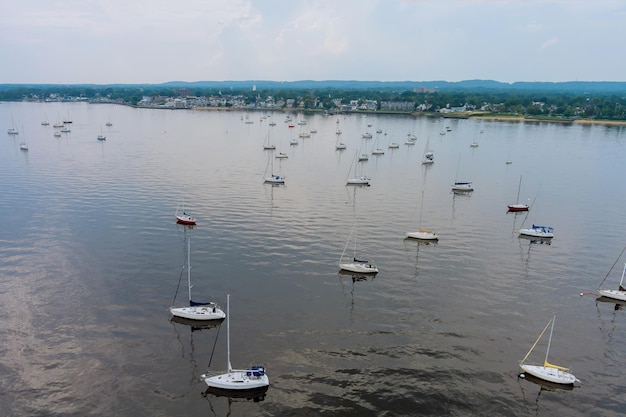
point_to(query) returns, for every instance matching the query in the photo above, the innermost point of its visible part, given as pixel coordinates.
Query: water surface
(91, 257)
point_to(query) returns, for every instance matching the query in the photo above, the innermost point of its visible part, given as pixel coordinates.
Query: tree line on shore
(537, 102)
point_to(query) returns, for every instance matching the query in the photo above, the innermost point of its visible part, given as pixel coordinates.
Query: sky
(156, 41)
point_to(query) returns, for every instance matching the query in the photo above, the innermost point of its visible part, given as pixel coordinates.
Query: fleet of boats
(255, 377)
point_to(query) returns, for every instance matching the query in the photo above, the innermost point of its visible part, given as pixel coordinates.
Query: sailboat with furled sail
(273, 178)
(620, 293)
(548, 372)
(253, 378)
(360, 266)
(423, 234)
(518, 206)
(196, 310)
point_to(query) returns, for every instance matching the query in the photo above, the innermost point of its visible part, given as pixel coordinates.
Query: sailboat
(461, 186)
(547, 371)
(422, 234)
(101, 135)
(338, 144)
(619, 294)
(357, 180)
(429, 156)
(184, 218)
(546, 232)
(13, 130)
(196, 311)
(253, 378)
(360, 266)
(268, 146)
(273, 178)
(518, 206)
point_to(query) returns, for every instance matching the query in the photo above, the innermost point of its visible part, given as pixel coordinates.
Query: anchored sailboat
(422, 234)
(620, 293)
(548, 372)
(518, 206)
(253, 378)
(360, 266)
(196, 310)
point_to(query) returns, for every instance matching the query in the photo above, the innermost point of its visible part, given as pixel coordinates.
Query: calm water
(91, 257)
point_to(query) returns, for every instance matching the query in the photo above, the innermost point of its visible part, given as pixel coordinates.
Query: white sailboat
(195, 310)
(360, 266)
(546, 232)
(423, 234)
(236, 379)
(13, 130)
(461, 186)
(101, 135)
(356, 179)
(518, 206)
(184, 218)
(620, 293)
(548, 372)
(268, 146)
(338, 144)
(429, 155)
(273, 178)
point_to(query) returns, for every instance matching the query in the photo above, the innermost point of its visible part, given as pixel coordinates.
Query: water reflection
(544, 387)
(533, 240)
(619, 305)
(187, 350)
(354, 278)
(255, 395)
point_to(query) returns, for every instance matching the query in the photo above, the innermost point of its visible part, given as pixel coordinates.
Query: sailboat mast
(355, 236)
(621, 281)
(550, 338)
(189, 268)
(519, 187)
(421, 209)
(230, 368)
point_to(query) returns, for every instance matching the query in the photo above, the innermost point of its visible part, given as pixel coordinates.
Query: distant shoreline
(499, 118)
(561, 121)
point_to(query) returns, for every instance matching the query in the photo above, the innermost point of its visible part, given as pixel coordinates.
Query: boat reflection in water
(196, 324)
(256, 395)
(619, 305)
(537, 240)
(356, 277)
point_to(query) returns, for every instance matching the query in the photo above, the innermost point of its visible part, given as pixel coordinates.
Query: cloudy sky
(155, 41)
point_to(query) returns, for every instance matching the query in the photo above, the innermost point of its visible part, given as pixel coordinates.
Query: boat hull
(275, 179)
(358, 181)
(462, 187)
(359, 268)
(553, 375)
(198, 313)
(518, 207)
(613, 294)
(536, 233)
(423, 235)
(238, 380)
(182, 219)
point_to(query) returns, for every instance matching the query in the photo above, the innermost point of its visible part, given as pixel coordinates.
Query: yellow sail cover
(549, 365)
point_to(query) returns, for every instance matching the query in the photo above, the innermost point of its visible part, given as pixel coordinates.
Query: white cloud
(128, 41)
(550, 42)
